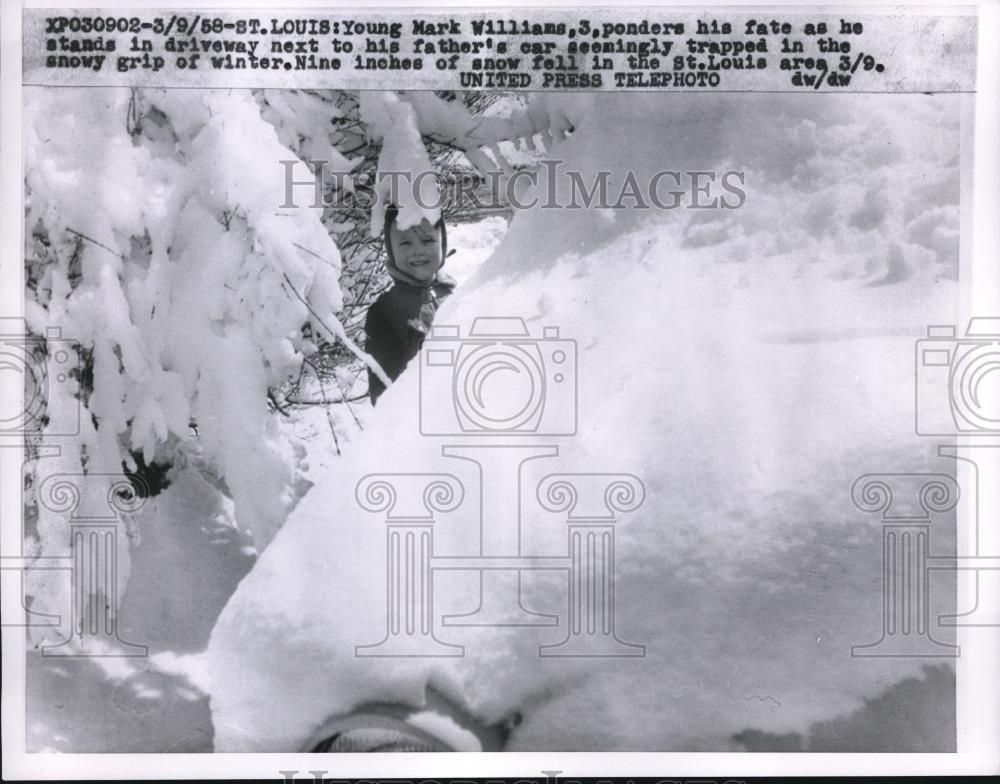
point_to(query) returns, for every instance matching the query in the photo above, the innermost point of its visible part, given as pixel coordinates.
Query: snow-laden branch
(161, 252)
(451, 123)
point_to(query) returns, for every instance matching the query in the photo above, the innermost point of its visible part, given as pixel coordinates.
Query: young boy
(401, 317)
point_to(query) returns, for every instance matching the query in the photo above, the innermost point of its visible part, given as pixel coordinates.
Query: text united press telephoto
(484, 379)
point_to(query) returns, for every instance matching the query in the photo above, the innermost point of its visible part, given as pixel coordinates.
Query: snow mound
(746, 365)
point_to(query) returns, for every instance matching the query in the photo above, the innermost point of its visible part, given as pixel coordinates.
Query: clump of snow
(473, 243)
(746, 364)
(404, 167)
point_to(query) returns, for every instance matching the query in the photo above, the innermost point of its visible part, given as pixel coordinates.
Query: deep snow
(747, 365)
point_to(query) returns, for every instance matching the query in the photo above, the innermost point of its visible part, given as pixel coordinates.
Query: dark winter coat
(396, 325)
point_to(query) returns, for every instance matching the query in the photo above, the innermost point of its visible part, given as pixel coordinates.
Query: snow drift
(747, 365)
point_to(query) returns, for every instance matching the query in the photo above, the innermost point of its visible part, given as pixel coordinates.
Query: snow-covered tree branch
(158, 242)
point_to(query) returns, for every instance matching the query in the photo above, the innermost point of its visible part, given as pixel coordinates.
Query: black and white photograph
(394, 381)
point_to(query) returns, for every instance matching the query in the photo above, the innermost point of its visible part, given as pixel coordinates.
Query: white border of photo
(978, 692)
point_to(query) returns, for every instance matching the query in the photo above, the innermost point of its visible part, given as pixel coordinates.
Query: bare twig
(340, 333)
(274, 402)
(355, 399)
(329, 416)
(83, 236)
(343, 397)
(315, 255)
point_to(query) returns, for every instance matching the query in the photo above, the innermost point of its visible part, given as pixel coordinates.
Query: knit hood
(401, 277)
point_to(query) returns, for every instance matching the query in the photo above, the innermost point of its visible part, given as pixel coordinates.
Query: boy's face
(417, 250)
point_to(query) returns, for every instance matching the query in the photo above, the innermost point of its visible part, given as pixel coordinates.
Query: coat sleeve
(383, 345)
